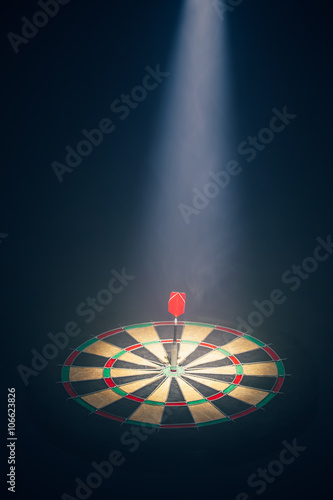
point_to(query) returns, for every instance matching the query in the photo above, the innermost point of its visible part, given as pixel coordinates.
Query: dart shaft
(174, 349)
(175, 331)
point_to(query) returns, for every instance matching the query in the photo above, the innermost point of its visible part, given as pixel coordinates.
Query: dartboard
(125, 375)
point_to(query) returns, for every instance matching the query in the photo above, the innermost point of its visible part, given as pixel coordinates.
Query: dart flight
(177, 303)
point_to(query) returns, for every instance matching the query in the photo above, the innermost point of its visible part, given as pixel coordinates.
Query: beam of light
(191, 140)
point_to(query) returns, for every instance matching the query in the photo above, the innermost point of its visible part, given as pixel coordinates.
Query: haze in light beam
(191, 140)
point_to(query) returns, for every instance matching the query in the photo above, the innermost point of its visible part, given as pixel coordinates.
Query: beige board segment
(148, 414)
(205, 412)
(185, 350)
(158, 351)
(162, 392)
(129, 372)
(195, 332)
(189, 393)
(250, 396)
(214, 384)
(145, 334)
(261, 369)
(102, 349)
(149, 334)
(102, 398)
(240, 345)
(138, 360)
(219, 370)
(208, 358)
(138, 384)
(77, 373)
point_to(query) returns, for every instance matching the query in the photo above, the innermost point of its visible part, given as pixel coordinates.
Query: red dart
(176, 307)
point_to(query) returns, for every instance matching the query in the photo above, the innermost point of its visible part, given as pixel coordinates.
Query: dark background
(64, 239)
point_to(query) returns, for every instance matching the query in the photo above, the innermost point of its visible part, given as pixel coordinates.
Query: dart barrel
(174, 354)
(174, 349)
